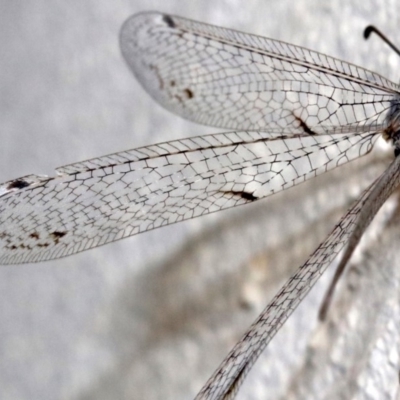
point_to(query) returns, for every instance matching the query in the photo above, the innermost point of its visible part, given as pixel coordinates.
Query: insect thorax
(392, 131)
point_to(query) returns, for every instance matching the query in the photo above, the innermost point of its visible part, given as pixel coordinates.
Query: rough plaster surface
(152, 316)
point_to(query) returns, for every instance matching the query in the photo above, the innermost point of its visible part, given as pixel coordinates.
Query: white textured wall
(152, 316)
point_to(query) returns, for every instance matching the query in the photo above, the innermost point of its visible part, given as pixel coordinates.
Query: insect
(293, 114)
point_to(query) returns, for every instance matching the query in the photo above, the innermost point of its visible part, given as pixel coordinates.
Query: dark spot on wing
(17, 184)
(188, 93)
(243, 195)
(172, 83)
(247, 196)
(304, 126)
(169, 21)
(57, 235)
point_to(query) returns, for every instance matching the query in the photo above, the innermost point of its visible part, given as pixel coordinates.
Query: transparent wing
(108, 198)
(227, 379)
(229, 79)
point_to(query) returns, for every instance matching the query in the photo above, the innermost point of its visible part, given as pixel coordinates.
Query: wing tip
(148, 18)
(22, 183)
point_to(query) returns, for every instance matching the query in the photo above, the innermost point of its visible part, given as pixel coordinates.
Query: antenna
(370, 28)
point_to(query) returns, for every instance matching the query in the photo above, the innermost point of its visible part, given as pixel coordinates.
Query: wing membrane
(229, 79)
(108, 198)
(226, 380)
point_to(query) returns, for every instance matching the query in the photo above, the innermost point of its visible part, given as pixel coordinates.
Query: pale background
(152, 316)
